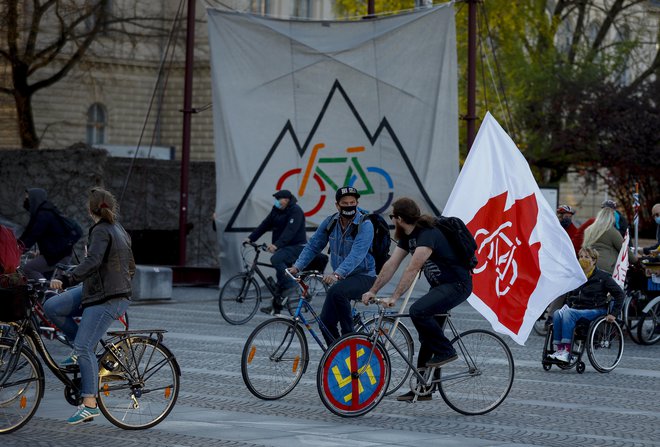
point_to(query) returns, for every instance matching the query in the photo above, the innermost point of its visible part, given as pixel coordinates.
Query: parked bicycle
(276, 353)
(354, 373)
(138, 376)
(240, 297)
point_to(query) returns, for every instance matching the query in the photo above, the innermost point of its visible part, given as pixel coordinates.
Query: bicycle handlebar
(255, 245)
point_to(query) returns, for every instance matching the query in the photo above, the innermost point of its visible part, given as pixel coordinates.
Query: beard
(398, 231)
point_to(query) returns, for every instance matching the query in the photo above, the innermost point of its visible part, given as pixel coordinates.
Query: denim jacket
(348, 256)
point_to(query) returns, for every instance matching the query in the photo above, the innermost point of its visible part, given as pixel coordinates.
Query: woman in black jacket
(106, 274)
(589, 301)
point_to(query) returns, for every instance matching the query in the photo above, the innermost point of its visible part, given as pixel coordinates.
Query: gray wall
(151, 200)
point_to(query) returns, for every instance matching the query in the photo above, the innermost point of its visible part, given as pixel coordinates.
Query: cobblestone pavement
(554, 408)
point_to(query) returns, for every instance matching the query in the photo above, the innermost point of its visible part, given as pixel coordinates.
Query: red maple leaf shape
(508, 269)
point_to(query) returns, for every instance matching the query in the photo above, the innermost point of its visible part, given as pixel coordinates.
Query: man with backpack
(350, 235)
(54, 233)
(443, 250)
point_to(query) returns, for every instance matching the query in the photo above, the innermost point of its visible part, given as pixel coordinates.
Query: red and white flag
(526, 259)
(622, 262)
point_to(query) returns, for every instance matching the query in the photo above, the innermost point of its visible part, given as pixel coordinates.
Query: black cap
(283, 194)
(608, 204)
(346, 191)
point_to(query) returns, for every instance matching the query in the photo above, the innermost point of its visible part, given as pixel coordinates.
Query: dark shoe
(409, 396)
(268, 310)
(438, 360)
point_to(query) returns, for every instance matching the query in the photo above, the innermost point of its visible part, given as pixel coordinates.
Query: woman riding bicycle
(106, 274)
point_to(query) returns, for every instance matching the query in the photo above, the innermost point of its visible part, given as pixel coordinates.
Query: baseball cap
(283, 194)
(346, 191)
(565, 209)
(608, 204)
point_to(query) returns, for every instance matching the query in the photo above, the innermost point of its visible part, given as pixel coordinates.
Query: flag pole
(636, 215)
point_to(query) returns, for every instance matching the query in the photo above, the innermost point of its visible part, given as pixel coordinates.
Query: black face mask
(347, 211)
(565, 222)
(26, 204)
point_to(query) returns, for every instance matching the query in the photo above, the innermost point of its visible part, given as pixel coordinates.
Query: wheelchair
(602, 340)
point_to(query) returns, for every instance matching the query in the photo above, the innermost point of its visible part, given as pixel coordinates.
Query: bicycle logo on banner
(321, 182)
(501, 250)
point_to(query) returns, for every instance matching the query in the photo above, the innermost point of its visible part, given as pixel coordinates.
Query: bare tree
(41, 41)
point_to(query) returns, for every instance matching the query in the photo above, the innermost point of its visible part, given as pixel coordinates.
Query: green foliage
(356, 9)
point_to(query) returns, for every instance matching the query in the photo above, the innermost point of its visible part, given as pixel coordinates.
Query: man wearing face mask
(565, 215)
(589, 301)
(54, 234)
(354, 268)
(287, 222)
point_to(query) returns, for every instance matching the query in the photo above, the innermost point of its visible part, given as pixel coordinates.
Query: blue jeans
(564, 319)
(439, 300)
(282, 259)
(60, 310)
(94, 324)
(337, 306)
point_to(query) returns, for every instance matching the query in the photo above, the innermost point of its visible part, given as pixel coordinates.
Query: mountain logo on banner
(329, 159)
(508, 265)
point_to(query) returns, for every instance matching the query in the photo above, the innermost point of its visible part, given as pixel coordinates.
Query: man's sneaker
(268, 310)
(561, 356)
(70, 361)
(83, 414)
(438, 360)
(410, 395)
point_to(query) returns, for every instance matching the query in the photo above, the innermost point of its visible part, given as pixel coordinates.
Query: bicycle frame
(254, 268)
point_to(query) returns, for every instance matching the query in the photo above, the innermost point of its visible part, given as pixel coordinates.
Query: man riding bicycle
(287, 222)
(451, 283)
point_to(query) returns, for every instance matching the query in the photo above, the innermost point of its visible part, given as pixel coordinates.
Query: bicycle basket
(13, 303)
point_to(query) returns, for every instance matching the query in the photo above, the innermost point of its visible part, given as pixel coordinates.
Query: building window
(96, 123)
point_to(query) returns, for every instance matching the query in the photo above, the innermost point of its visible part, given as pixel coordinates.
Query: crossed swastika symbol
(344, 381)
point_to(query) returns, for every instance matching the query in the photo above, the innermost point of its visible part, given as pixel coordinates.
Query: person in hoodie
(48, 229)
(287, 222)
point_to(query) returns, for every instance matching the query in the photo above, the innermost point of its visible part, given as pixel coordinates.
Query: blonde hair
(591, 252)
(604, 221)
(103, 204)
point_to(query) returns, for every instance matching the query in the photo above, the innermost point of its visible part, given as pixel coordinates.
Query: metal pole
(371, 9)
(187, 114)
(471, 72)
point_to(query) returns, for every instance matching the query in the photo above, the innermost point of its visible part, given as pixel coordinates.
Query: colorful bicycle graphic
(321, 178)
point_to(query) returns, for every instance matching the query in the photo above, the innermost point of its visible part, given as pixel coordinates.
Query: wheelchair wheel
(604, 345)
(648, 328)
(580, 367)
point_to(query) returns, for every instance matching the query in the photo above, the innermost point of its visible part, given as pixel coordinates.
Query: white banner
(312, 106)
(526, 259)
(622, 262)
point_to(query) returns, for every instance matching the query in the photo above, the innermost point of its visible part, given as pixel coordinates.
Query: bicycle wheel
(399, 369)
(631, 313)
(352, 376)
(604, 345)
(648, 328)
(275, 357)
(21, 387)
(482, 376)
(140, 389)
(315, 296)
(239, 299)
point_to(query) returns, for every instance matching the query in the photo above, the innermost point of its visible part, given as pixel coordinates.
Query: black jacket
(593, 293)
(107, 269)
(288, 226)
(45, 228)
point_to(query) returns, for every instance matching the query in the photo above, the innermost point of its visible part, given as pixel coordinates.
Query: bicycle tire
(605, 345)
(399, 369)
(315, 296)
(339, 378)
(139, 391)
(22, 389)
(479, 381)
(239, 299)
(648, 328)
(631, 314)
(274, 358)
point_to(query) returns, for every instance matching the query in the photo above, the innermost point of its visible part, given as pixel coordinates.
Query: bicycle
(138, 376)
(354, 172)
(240, 297)
(276, 354)
(355, 371)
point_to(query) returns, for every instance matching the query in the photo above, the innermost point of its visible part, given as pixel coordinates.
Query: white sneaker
(561, 356)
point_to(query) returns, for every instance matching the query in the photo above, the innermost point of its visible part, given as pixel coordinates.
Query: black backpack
(72, 232)
(460, 239)
(380, 246)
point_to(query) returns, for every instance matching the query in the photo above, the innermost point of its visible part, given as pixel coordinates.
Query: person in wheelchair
(589, 301)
